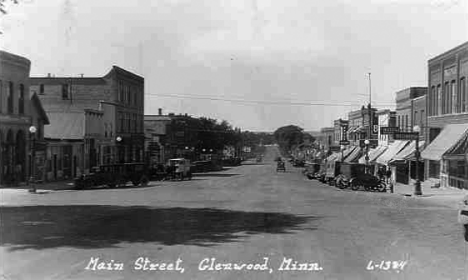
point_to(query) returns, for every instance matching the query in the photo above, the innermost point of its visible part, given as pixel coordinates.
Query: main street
(240, 215)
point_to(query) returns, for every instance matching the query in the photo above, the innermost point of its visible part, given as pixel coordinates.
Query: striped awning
(408, 152)
(354, 155)
(373, 154)
(447, 139)
(392, 150)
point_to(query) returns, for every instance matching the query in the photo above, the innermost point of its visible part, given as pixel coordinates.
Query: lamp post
(367, 142)
(417, 183)
(32, 135)
(119, 140)
(342, 148)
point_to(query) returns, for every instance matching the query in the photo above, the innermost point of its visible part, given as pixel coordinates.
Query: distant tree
(288, 137)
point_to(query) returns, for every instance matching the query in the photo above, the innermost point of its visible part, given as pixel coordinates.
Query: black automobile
(114, 175)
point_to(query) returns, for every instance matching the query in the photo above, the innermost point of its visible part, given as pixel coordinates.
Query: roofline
(457, 48)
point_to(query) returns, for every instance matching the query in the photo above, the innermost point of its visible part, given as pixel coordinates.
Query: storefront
(441, 155)
(403, 164)
(455, 165)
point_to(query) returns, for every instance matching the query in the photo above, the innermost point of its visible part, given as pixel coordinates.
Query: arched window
(21, 100)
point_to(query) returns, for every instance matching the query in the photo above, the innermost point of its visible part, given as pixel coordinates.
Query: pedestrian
(388, 174)
(380, 173)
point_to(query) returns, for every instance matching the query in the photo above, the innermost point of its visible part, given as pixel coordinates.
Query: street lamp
(32, 132)
(367, 142)
(417, 183)
(119, 152)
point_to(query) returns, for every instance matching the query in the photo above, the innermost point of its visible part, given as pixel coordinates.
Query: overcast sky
(258, 64)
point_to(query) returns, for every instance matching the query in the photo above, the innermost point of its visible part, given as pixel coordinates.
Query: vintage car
(114, 175)
(179, 168)
(320, 175)
(332, 170)
(347, 172)
(311, 170)
(369, 182)
(280, 166)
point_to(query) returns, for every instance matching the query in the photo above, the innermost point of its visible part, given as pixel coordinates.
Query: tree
(288, 137)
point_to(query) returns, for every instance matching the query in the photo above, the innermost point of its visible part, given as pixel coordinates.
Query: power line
(265, 102)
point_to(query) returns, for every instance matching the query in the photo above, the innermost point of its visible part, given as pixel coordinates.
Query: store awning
(392, 150)
(355, 129)
(408, 152)
(447, 138)
(354, 155)
(333, 157)
(345, 153)
(373, 154)
(460, 149)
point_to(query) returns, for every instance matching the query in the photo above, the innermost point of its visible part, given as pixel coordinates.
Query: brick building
(447, 117)
(18, 112)
(110, 108)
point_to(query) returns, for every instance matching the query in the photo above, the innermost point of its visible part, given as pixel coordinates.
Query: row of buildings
(55, 128)
(438, 112)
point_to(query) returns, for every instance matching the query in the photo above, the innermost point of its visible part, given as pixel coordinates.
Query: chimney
(160, 111)
(48, 75)
(81, 75)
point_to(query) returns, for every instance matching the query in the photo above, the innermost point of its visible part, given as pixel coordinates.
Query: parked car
(332, 170)
(114, 175)
(299, 163)
(311, 169)
(179, 168)
(347, 172)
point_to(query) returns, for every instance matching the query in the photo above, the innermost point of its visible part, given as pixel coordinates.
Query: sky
(259, 64)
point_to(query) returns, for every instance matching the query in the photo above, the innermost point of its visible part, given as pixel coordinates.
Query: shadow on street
(94, 226)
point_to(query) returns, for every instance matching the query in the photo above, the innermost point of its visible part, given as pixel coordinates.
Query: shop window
(456, 168)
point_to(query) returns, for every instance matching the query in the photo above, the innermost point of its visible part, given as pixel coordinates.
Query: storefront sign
(405, 135)
(344, 142)
(389, 129)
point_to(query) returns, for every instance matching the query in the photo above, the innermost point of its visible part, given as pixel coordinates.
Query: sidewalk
(446, 196)
(51, 186)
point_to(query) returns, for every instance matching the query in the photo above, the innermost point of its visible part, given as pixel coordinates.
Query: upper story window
(21, 100)
(455, 101)
(65, 91)
(10, 94)
(41, 89)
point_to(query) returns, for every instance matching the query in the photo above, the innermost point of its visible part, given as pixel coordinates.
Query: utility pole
(369, 108)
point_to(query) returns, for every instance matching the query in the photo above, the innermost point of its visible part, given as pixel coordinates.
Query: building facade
(15, 118)
(155, 135)
(447, 115)
(341, 127)
(110, 111)
(362, 123)
(327, 138)
(404, 107)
